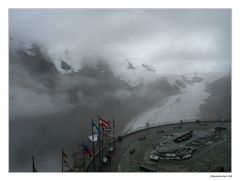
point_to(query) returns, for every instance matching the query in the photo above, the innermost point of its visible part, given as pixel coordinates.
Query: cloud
(158, 34)
(27, 103)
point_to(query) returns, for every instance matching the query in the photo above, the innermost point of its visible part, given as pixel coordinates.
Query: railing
(148, 126)
(155, 125)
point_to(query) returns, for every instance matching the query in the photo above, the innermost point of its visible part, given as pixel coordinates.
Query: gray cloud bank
(186, 36)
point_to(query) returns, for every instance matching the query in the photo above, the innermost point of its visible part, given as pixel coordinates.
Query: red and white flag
(104, 123)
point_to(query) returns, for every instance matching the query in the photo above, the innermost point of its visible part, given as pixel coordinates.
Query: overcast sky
(196, 40)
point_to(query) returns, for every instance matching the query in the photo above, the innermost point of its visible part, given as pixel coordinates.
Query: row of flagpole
(103, 128)
(103, 125)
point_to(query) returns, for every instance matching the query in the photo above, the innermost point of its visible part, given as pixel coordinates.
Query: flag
(104, 123)
(97, 128)
(93, 138)
(66, 164)
(64, 155)
(86, 150)
(65, 161)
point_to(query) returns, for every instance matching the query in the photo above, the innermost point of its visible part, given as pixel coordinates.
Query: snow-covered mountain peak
(134, 71)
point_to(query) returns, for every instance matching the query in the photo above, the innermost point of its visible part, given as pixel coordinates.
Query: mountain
(218, 104)
(134, 71)
(130, 65)
(34, 60)
(148, 67)
(65, 66)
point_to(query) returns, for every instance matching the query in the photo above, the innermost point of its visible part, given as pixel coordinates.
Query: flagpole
(105, 141)
(83, 156)
(109, 135)
(62, 159)
(33, 165)
(102, 152)
(114, 145)
(102, 142)
(93, 148)
(99, 144)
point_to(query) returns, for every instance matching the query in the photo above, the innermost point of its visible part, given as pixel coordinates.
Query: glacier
(183, 106)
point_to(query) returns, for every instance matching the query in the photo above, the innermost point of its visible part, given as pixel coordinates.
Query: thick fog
(50, 109)
(198, 39)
